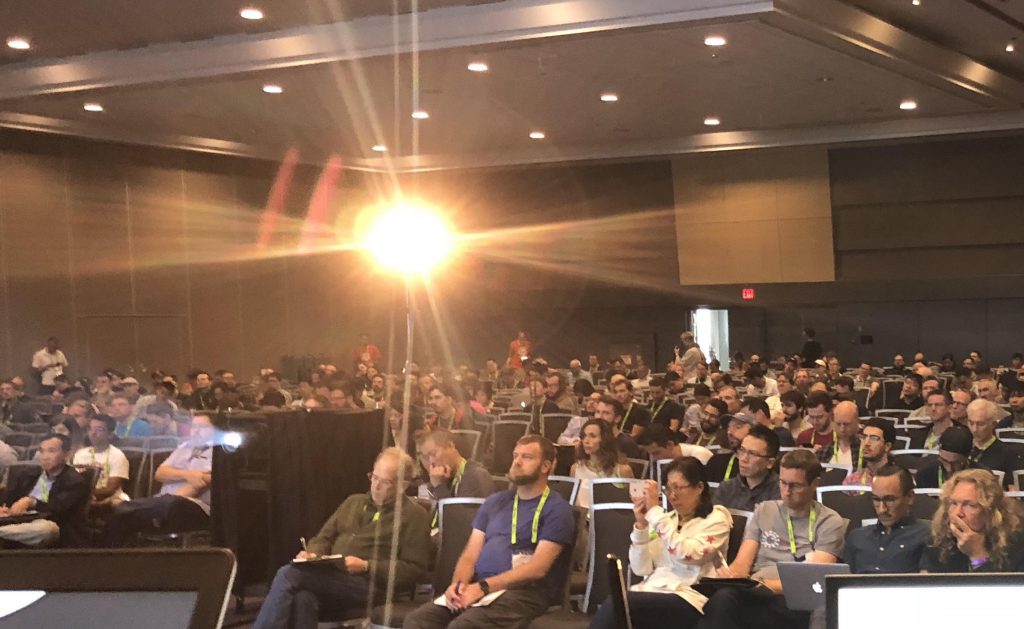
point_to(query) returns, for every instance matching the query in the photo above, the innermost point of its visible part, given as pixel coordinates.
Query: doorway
(711, 332)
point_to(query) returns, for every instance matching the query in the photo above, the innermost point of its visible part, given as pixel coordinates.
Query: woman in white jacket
(672, 550)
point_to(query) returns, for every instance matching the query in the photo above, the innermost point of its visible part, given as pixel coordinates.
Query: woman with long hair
(672, 549)
(977, 528)
(597, 456)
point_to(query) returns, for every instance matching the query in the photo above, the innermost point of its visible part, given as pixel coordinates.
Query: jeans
(299, 592)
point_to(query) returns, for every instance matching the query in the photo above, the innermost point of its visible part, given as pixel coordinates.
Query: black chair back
(455, 524)
(916, 435)
(717, 465)
(617, 579)
(566, 486)
(739, 525)
(608, 490)
(505, 434)
(856, 507)
(467, 442)
(554, 424)
(22, 439)
(924, 506)
(136, 465)
(16, 470)
(833, 476)
(610, 527)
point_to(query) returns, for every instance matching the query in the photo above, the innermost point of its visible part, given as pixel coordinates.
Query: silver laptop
(803, 583)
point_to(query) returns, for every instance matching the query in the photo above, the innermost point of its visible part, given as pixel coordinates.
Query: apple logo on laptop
(816, 586)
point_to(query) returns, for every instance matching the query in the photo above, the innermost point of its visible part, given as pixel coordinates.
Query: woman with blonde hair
(977, 528)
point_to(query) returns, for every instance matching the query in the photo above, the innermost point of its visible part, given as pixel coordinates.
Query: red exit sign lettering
(747, 294)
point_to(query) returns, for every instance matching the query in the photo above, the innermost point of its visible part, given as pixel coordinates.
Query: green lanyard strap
(455, 489)
(536, 516)
(728, 469)
(625, 417)
(658, 410)
(44, 491)
(810, 530)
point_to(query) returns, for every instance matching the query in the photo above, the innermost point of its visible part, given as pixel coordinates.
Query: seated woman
(672, 550)
(977, 528)
(597, 456)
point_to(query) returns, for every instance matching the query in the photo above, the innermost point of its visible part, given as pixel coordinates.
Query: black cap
(956, 439)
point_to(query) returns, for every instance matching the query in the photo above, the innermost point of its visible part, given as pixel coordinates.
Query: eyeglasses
(675, 489)
(385, 482)
(793, 486)
(743, 452)
(886, 500)
(872, 438)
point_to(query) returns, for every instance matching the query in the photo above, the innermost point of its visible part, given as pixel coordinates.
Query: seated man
(110, 463)
(796, 528)
(897, 542)
(757, 481)
(449, 473)
(877, 440)
(955, 446)
(183, 503)
(58, 493)
(521, 543)
(659, 442)
(122, 409)
(362, 529)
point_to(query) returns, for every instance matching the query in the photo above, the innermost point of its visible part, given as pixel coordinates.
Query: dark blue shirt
(873, 550)
(556, 525)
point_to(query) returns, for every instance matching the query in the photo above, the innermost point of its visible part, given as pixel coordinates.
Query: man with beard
(521, 543)
(877, 439)
(611, 411)
(711, 432)
(571, 435)
(819, 412)
(635, 417)
(792, 403)
(938, 404)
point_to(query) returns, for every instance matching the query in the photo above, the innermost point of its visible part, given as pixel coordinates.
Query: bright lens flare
(410, 240)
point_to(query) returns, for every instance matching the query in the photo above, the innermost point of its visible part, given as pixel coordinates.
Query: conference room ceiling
(190, 74)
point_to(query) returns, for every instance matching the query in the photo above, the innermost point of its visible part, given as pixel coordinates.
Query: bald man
(846, 427)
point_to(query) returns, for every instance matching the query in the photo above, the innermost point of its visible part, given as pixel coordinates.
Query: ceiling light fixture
(477, 66)
(1011, 45)
(419, 114)
(916, 3)
(712, 121)
(908, 105)
(251, 13)
(714, 40)
(537, 135)
(272, 88)
(380, 148)
(610, 98)
(93, 107)
(18, 43)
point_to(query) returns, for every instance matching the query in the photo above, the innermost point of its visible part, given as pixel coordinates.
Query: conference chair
(617, 580)
(610, 528)
(611, 490)
(833, 474)
(467, 442)
(913, 459)
(925, 505)
(856, 507)
(554, 424)
(639, 467)
(504, 435)
(567, 486)
(739, 525)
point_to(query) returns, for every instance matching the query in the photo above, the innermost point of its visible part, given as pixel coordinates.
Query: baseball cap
(745, 418)
(956, 439)
(129, 380)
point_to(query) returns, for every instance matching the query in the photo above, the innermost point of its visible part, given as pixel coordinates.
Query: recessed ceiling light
(610, 98)
(95, 107)
(419, 114)
(537, 135)
(18, 43)
(712, 121)
(1011, 45)
(272, 88)
(380, 148)
(916, 3)
(908, 105)
(251, 13)
(714, 40)
(477, 66)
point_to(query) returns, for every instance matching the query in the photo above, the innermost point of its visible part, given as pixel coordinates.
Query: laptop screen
(853, 602)
(31, 609)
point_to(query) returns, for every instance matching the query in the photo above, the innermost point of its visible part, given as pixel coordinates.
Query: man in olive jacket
(361, 530)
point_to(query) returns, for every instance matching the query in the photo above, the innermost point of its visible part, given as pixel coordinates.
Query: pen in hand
(302, 540)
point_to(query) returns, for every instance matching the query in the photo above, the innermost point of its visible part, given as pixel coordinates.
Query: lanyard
(128, 430)
(710, 442)
(44, 491)
(376, 515)
(942, 474)
(625, 417)
(835, 452)
(455, 489)
(536, 516)
(728, 469)
(658, 410)
(810, 530)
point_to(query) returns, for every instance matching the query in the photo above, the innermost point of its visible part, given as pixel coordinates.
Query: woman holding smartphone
(597, 456)
(672, 549)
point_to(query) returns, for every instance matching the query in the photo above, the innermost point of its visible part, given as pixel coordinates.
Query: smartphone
(637, 490)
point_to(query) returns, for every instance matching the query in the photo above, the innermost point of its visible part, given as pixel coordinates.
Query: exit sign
(748, 294)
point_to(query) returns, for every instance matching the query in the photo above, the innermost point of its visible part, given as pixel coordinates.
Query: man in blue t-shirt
(520, 546)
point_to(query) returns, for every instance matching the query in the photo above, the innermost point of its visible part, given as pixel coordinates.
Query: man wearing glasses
(756, 481)
(361, 532)
(876, 442)
(795, 528)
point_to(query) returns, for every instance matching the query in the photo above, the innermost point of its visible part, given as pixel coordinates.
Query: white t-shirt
(111, 463)
(54, 365)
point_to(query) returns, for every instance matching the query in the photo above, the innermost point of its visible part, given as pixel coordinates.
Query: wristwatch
(484, 587)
